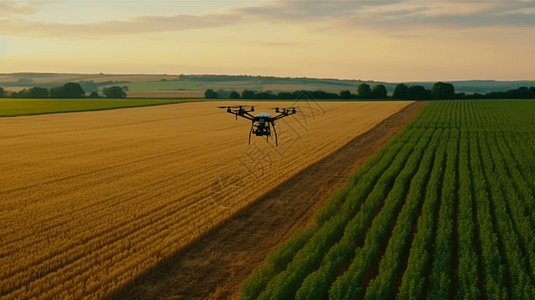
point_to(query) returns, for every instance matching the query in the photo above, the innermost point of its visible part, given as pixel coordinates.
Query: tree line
(439, 91)
(70, 90)
(364, 91)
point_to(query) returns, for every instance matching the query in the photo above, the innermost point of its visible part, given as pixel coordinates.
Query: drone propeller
(237, 106)
(238, 110)
(284, 109)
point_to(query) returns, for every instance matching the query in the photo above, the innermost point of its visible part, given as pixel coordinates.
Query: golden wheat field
(90, 201)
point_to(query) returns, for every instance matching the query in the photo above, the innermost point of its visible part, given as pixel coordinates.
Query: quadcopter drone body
(261, 123)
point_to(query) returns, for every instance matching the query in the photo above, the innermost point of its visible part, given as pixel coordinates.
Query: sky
(393, 41)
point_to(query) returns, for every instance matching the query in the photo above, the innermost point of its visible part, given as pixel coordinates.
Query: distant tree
(94, 95)
(264, 95)
(234, 95)
(37, 92)
(495, 95)
(319, 94)
(222, 94)
(210, 94)
(248, 94)
(2, 93)
(56, 92)
(379, 92)
(519, 93)
(72, 90)
(345, 95)
(364, 91)
(476, 96)
(401, 92)
(285, 95)
(418, 92)
(443, 90)
(114, 92)
(532, 92)
(20, 94)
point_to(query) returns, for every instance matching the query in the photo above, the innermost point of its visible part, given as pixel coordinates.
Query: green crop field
(445, 210)
(20, 107)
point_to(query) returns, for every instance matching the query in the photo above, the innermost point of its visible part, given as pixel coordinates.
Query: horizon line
(264, 76)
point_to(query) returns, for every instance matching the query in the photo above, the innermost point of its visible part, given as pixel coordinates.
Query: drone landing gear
(276, 138)
(250, 131)
(272, 124)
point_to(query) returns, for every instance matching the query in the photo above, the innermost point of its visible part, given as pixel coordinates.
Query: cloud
(334, 15)
(10, 8)
(522, 11)
(401, 19)
(291, 10)
(431, 9)
(147, 24)
(395, 15)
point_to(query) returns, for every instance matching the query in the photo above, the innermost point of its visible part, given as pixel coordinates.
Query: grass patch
(22, 107)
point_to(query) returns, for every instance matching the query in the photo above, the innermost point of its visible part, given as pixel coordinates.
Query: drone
(261, 123)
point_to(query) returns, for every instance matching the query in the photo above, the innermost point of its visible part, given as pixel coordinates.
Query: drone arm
(248, 117)
(282, 115)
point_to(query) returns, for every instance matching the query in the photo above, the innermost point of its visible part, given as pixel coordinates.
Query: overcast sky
(370, 40)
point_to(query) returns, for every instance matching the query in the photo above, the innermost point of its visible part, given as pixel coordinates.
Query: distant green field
(160, 86)
(21, 107)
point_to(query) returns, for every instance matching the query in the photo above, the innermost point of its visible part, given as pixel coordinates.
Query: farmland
(168, 85)
(444, 211)
(91, 201)
(21, 107)
(192, 94)
(160, 86)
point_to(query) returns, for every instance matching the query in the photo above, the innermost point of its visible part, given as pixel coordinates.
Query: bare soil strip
(215, 266)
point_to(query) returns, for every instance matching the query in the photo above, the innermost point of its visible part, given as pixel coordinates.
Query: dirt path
(214, 267)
